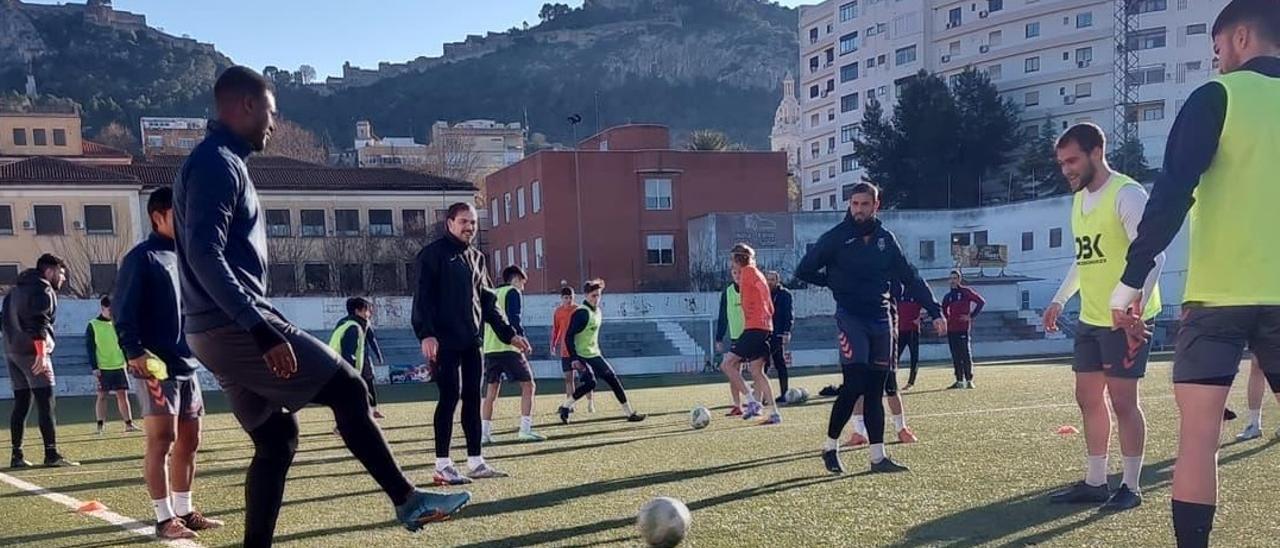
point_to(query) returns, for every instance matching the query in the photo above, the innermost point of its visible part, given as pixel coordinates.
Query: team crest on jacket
(880, 244)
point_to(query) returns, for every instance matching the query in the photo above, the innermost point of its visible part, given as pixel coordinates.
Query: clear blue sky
(325, 33)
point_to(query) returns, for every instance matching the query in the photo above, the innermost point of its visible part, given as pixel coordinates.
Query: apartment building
(1053, 58)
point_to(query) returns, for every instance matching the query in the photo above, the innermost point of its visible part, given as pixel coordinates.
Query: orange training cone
(1067, 430)
(91, 506)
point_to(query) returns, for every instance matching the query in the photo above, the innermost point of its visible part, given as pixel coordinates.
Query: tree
(453, 157)
(551, 11)
(988, 134)
(1038, 169)
(1129, 157)
(118, 136)
(306, 74)
(292, 141)
(710, 139)
(877, 148)
(86, 253)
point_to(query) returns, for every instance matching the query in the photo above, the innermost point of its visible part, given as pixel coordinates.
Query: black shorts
(752, 345)
(1211, 341)
(566, 365)
(113, 381)
(512, 364)
(1106, 350)
(864, 341)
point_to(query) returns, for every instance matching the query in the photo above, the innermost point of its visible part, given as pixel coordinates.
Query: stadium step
(679, 338)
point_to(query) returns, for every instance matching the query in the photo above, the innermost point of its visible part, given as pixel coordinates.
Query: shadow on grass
(39, 538)
(1018, 515)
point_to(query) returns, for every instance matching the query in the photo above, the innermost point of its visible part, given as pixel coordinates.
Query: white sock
(181, 503)
(1255, 417)
(568, 403)
(526, 423)
(1097, 470)
(877, 452)
(831, 444)
(442, 463)
(626, 408)
(900, 422)
(860, 425)
(1132, 471)
(486, 428)
(164, 510)
(474, 462)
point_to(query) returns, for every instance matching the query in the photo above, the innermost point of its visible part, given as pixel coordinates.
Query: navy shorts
(865, 341)
(1107, 350)
(113, 381)
(566, 365)
(1211, 341)
(511, 364)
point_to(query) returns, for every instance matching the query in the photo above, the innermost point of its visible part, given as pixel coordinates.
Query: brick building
(637, 195)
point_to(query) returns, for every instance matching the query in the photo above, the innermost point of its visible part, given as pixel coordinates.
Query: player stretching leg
(504, 359)
(559, 326)
(583, 341)
(858, 261)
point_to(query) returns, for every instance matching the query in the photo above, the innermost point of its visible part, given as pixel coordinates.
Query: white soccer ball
(793, 395)
(664, 522)
(804, 395)
(699, 418)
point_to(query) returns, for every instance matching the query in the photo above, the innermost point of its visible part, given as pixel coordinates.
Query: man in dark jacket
(27, 314)
(148, 324)
(453, 301)
(859, 260)
(783, 317)
(268, 368)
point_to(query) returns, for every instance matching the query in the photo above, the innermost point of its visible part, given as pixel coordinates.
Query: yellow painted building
(40, 134)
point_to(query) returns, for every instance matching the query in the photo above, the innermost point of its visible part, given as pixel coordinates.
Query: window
(186, 143)
(848, 133)
(816, 176)
(511, 255)
(849, 102)
(831, 114)
(49, 220)
(1084, 20)
(282, 279)
(657, 194)
(1026, 300)
(953, 49)
(926, 251)
(380, 223)
(1033, 29)
(351, 279)
(831, 85)
(980, 237)
(849, 72)
(98, 219)
(1151, 112)
(1147, 75)
(1084, 56)
(848, 11)
(520, 202)
(1146, 39)
(8, 274)
(537, 253)
(1055, 238)
(506, 207)
(60, 135)
(155, 141)
(495, 218)
(831, 172)
(905, 55)
(313, 223)
(814, 63)
(994, 38)
(315, 278)
(817, 204)
(1084, 89)
(994, 72)
(537, 196)
(814, 120)
(961, 239)
(831, 144)
(1198, 28)
(1031, 98)
(6, 220)
(831, 201)
(19, 137)
(39, 137)
(848, 163)
(849, 43)
(346, 222)
(1032, 64)
(278, 223)
(814, 91)
(871, 62)
(497, 262)
(995, 5)
(102, 278)
(815, 149)
(953, 18)
(813, 35)
(413, 222)
(1146, 6)
(524, 255)
(881, 60)
(831, 56)
(1028, 241)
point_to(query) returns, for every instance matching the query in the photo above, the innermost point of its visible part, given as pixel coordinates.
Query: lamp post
(574, 120)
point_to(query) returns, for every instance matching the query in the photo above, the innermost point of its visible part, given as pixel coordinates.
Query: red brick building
(637, 195)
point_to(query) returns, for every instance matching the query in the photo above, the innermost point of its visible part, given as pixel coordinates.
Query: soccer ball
(699, 418)
(804, 395)
(793, 396)
(664, 522)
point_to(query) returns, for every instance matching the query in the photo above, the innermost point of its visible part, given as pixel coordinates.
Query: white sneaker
(486, 440)
(1251, 431)
(449, 476)
(486, 471)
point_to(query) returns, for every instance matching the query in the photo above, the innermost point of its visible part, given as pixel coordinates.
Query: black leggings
(276, 441)
(44, 408)
(860, 381)
(961, 355)
(598, 367)
(458, 375)
(910, 340)
(366, 374)
(778, 358)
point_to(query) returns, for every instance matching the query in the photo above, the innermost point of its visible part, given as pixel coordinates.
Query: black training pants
(961, 355)
(44, 408)
(458, 375)
(366, 374)
(598, 367)
(778, 358)
(910, 340)
(866, 382)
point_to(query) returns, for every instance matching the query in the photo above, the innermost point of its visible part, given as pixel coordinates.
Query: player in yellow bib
(1104, 219)
(1220, 165)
